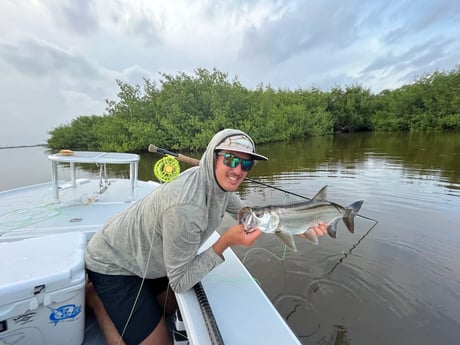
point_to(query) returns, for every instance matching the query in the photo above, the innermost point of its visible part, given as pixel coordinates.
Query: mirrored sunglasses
(233, 161)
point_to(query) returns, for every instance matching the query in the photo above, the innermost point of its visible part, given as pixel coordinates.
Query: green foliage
(185, 111)
(80, 134)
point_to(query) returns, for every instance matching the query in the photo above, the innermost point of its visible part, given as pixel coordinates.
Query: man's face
(229, 178)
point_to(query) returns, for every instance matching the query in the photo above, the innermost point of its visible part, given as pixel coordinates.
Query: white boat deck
(32, 211)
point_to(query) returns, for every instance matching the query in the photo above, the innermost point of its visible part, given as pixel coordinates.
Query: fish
(296, 219)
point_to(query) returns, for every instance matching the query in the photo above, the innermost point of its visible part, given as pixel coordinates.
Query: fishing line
(273, 187)
(19, 218)
(132, 310)
(140, 289)
(268, 251)
(139, 292)
(136, 300)
(345, 255)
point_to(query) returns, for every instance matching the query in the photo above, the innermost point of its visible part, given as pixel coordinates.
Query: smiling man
(152, 247)
(144, 252)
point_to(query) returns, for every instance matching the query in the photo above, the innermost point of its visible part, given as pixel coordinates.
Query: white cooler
(42, 290)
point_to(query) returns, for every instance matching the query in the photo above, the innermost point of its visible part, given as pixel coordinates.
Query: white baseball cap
(240, 143)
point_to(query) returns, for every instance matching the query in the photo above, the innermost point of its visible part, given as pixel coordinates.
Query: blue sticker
(65, 312)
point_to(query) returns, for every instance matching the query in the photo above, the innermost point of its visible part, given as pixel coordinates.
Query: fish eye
(259, 214)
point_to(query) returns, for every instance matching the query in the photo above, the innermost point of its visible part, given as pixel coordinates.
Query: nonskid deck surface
(31, 211)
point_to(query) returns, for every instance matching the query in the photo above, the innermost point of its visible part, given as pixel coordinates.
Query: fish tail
(349, 216)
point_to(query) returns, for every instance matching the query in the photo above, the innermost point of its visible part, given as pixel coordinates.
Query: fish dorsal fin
(322, 194)
(287, 238)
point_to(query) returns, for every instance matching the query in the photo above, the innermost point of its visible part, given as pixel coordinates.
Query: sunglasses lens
(246, 164)
(233, 161)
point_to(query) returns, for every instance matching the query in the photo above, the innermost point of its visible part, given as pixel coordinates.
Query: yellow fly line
(166, 169)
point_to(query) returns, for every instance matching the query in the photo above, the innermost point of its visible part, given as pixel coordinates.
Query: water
(395, 283)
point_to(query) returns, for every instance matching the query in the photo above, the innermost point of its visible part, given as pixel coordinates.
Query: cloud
(59, 59)
(298, 30)
(415, 60)
(36, 57)
(79, 16)
(39, 79)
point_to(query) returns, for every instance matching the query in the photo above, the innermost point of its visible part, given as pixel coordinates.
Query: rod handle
(179, 156)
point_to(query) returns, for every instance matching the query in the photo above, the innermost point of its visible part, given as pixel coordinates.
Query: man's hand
(235, 235)
(318, 230)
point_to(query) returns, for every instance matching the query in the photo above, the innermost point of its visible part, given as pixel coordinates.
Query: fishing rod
(193, 161)
(179, 156)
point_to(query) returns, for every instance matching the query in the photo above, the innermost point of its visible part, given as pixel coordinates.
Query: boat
(44, 229)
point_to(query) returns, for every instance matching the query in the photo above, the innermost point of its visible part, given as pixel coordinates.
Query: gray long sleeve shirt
(160, 234)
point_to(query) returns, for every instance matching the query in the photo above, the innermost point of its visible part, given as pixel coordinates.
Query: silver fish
(288, 220)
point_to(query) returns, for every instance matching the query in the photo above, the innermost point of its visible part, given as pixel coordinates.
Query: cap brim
(258, 157)
(253, 155)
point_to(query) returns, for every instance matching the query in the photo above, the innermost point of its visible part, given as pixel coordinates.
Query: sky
(60, 59)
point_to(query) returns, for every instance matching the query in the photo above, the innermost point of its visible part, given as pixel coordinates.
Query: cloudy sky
(60, 59)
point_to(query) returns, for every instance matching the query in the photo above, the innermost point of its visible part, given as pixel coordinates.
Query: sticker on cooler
(65, 312)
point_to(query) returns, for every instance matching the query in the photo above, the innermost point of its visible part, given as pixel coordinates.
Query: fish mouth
(246, 217)
(243, 214)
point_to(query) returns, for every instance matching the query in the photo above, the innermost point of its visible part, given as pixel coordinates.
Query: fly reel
(166, 169)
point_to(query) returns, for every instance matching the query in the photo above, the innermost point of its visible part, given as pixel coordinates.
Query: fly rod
(178, 156)
(193, 161)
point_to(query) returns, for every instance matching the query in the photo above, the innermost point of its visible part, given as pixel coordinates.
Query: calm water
(395, 283)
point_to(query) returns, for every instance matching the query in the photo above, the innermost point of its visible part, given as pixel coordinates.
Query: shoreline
(21, 146)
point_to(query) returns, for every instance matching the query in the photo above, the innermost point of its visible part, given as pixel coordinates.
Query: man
(153, 245)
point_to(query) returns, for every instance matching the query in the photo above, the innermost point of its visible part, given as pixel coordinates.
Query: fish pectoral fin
(332, 228)
(309, 235)
(287, 238)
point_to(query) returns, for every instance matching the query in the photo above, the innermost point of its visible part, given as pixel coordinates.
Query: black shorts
(118, 293)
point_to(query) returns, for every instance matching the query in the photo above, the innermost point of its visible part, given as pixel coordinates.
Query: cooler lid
(38, 265)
